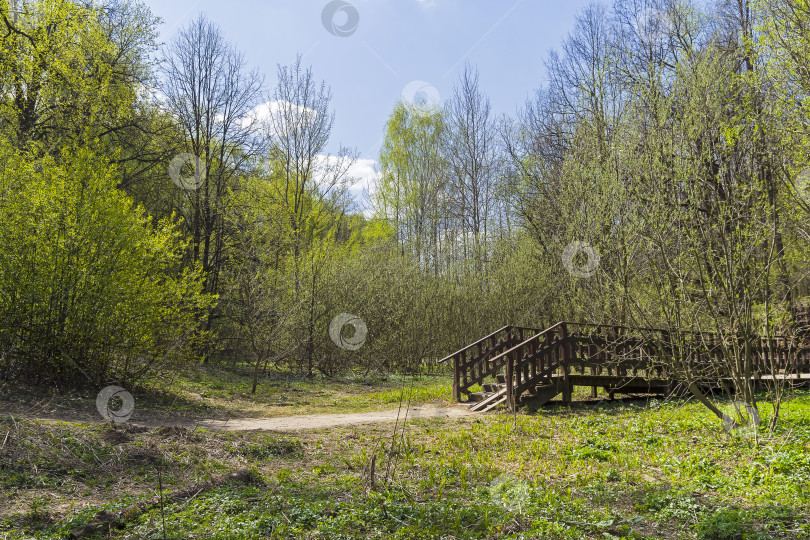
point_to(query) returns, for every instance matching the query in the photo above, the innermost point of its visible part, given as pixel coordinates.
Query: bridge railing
(570, 347)
(477, 361)
(534, 359)
(614, 350)
(650, 351)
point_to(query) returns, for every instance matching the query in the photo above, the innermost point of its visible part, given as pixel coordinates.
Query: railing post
(510, 398)
(667, 353)
(565, 346)
(456, 392)
(566, 351)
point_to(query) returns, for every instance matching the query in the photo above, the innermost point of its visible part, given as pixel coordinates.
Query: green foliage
(667, 505)
(71, 72)
(87, 288)
(594, 449)
(727, 524)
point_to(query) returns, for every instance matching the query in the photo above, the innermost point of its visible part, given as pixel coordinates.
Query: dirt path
(284, 423)
(318, 421)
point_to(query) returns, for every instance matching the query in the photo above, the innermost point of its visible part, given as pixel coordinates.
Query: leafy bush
(89, 290)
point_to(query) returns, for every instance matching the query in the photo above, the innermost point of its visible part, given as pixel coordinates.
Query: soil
(283, 423)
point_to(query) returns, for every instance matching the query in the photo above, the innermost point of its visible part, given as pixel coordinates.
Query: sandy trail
(284, 423)
(319, 421)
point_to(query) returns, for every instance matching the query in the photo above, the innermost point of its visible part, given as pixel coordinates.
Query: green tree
(89, 291)
(72, 73)
(411, 190)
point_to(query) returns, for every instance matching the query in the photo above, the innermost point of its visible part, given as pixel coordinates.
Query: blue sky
(392, 44)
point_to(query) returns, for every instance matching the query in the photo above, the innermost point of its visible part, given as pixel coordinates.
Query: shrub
(90, 291)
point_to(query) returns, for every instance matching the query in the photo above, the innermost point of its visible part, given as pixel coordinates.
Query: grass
(216, 392)
(613, 470)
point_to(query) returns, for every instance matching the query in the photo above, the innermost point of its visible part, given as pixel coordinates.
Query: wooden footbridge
(518, 365)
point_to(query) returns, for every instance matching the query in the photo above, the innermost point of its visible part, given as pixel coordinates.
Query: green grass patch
(614, 470)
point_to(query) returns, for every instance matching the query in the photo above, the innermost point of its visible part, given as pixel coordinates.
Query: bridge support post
(510, 396)
(567, 388)
(456, 385)
(566, 354)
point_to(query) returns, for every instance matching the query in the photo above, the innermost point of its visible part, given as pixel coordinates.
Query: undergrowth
(616, 470)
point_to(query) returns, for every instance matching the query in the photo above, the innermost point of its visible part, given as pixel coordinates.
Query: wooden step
(490, 402)
(501, 399)
(480, 396)
(500, 378)
(546, 384)
(493, 387)
(544, 393)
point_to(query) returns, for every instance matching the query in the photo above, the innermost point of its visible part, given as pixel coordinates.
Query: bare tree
(472, 159)
(298, 127)
(210, 92)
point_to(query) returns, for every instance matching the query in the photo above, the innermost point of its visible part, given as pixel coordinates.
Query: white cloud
(261, 115)
(366, 172)
(361, 176)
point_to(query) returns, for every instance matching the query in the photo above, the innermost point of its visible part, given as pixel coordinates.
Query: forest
(177, 222)
(164, 205)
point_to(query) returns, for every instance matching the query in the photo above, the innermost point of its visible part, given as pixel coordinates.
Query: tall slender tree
(210, 92)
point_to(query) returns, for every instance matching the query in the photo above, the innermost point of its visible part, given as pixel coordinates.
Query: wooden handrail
(570, 345)
(526, 341)
(496, 332)
(473, 363)
(550, 328)
(470, 346)
(651, 329)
